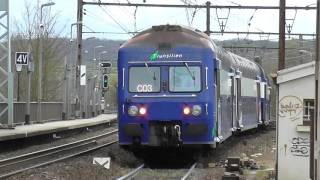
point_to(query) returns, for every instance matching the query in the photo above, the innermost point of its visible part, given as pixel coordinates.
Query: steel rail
(16, 158)
(131, 174)
(189, 172)
(57, 160)
(54, 150)
(46, 154)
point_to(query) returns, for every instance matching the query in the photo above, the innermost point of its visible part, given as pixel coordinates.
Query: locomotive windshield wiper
(154, 74)
(192, 76)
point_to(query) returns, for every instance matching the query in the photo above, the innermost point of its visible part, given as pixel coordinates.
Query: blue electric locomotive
(175, 87)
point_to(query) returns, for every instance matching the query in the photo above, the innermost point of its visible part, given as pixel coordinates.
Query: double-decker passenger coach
(176, 87)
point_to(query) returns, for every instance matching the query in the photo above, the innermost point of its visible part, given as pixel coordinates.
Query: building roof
(296, 72)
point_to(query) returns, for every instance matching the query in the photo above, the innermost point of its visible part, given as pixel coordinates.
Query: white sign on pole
(83, 75)
(19, 67)
(105, 162)
(22, 58)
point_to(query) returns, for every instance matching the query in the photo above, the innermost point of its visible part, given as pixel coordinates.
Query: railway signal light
(105, 81)
(106, 64)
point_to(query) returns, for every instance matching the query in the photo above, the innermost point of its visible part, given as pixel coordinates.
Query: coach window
(144, 79)
(308, 111)
(225, 83)
(185, 79)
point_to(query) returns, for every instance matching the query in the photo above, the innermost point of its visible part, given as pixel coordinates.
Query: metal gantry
(6, 76)
(196, 6)
(315, 125)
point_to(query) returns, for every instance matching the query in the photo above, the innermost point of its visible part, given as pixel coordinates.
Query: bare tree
(27, 31)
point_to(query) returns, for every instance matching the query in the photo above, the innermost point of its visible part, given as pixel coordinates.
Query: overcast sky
(121, 19)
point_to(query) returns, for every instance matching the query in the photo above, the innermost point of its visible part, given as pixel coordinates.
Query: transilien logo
(154, 56)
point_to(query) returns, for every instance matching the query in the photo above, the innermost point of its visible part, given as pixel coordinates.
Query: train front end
(166, 89)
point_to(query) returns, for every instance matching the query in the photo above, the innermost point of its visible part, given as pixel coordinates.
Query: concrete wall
(293, 142)
(51, 111)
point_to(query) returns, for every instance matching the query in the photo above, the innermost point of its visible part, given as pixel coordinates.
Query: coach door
(233, 100)
(238, 99)
(258, 100)
(262, 102)
(218, 99)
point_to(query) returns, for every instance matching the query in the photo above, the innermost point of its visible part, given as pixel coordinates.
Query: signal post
(105, 69)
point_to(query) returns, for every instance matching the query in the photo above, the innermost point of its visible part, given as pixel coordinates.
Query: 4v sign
(22, 58)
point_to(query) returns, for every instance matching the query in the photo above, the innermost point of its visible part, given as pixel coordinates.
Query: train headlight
(133, 111)
(186, 110)
(143, 111)
(196, 110)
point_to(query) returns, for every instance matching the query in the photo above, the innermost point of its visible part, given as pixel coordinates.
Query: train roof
(170, 36)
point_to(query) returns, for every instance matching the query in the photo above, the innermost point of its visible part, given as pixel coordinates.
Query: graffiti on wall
(290, 107)
(300, 146)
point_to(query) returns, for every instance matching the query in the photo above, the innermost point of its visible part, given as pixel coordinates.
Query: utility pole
(282, 37)
(79, 58)
(66, 86)
(29, 71)
(208, 18)
(72, 76)
(281, 63)
(40, 60)
(18, 87)
(40, 68)
(314, 133)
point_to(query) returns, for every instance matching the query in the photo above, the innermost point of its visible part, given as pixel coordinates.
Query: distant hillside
(264, 50)
(111, 46)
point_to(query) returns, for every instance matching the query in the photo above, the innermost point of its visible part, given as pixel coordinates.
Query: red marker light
(186, 110)
(142, 111)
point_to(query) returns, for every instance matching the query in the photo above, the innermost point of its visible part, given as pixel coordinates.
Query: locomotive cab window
(185, 78)
(144, 79)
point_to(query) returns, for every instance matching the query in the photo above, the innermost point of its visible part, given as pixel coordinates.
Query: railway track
(21, 163)
(142, 173)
